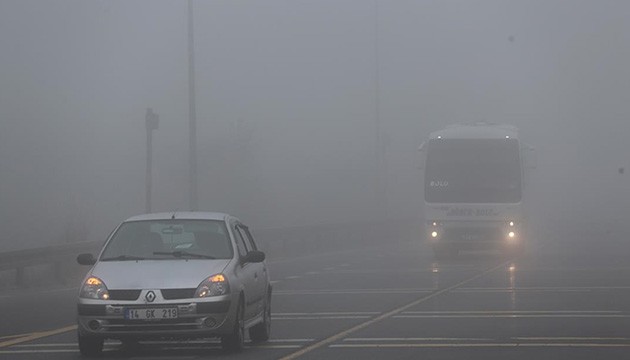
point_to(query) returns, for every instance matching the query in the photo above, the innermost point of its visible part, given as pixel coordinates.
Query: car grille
(473, 234)
(174, 294)
(147, 326)
(128, 295)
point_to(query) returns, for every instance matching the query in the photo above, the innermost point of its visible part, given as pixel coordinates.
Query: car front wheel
(90, 346)
(235, 341)
(262, 331)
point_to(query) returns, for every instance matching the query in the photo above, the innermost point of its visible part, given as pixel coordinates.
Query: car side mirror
(86, 259)
(254, 256)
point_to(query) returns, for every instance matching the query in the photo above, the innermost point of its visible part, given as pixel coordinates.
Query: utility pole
(381, 151)
(192, 113)
(151, 122)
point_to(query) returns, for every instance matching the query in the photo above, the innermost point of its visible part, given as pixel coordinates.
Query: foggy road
(555, 301)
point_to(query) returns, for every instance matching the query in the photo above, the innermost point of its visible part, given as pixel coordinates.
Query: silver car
(175, 275)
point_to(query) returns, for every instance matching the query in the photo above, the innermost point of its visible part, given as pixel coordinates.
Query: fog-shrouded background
(308, 112)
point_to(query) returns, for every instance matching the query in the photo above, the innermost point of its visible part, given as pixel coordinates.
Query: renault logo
(150, 296)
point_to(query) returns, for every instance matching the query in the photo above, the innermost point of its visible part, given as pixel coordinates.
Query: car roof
(182, 215)
(476, 131)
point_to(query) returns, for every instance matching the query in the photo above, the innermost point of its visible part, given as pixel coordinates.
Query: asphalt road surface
(561, 299)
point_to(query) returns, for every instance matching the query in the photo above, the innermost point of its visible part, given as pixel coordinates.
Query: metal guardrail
(58, 256)
(277, 243)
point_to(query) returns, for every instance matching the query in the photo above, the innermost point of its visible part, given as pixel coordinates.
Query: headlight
(215, 285)
(94, 288)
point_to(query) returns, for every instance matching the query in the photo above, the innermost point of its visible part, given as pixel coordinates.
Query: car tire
(235, 342)
(261, 332)
(90, 346)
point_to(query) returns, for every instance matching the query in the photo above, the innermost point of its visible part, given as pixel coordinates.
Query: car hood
(157, 274)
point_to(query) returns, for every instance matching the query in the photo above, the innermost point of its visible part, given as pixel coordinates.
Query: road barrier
(60, 261)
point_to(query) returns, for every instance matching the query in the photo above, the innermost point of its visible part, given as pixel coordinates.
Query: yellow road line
(13, 336)
(329, 340)
(36, 336)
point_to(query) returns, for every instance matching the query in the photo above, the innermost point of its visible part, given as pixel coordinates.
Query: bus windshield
(473, 171)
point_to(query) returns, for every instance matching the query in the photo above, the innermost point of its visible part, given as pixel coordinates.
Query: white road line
(163, 343)
(505, 312)
(45, 345)
(513, 339)
(544, 289)
(478, 345)
(513, 316)
(352, 291)
(416, 339)
(326, 313)
(322, 317)
(290, 340)
(573, 338)
(37, 351)
(292, 277)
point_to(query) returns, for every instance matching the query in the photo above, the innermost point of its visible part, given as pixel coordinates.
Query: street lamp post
(151, 122)
(192, 113)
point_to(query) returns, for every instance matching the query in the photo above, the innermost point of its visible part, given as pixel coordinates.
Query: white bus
(473, 188)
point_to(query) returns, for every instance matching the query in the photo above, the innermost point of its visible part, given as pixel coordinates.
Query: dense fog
(308, 112)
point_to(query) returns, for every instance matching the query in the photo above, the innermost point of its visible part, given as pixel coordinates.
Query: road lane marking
(538, 339)
(513, 316)
(347, 317)
(37, 351)
(14, 336)
(326, 313)
(544, 289)
(351, 291)
(290, 340)
(476, 345)
(340, 335)
(37, 335)
(415, 339)
(292, 277)
(573, 338)
(518, 312)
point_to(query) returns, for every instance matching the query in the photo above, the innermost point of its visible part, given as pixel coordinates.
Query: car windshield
(169, 239)
(473, 171)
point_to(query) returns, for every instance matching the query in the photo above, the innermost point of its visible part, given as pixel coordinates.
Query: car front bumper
(201, 318)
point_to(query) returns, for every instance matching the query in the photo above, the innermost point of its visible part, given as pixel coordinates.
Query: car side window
(243, 235)
(249, 240)
(240, 242)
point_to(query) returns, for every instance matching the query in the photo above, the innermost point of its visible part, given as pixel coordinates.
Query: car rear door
(260, 273)
(247, 274)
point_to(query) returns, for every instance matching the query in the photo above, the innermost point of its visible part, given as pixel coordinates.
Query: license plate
(151, 314)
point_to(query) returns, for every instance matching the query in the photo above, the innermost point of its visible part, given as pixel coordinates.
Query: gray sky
(286, 105)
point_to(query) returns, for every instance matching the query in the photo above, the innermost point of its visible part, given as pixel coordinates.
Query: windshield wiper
(123, 258)
(179, 254)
